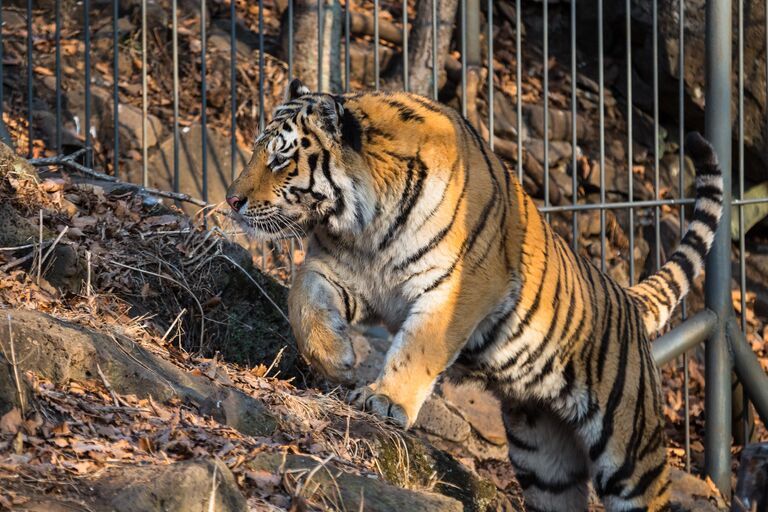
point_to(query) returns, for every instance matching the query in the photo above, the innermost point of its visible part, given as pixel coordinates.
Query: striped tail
(659, 294)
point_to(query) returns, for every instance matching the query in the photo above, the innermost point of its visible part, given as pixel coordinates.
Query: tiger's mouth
(272, 226)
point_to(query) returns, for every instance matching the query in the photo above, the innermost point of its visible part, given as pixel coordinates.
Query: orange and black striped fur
(414, 222)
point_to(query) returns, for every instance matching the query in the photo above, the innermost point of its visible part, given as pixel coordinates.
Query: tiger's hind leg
(551, 463)
(631, 474)
(626, 440)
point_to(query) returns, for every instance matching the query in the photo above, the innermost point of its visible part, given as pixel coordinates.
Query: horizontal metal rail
(687, 335)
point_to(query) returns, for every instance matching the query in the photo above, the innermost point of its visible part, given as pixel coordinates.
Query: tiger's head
(305, 170)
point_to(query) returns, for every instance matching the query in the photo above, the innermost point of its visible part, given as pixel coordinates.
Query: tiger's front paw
(367, 399)
(326, 345)
(335, 358)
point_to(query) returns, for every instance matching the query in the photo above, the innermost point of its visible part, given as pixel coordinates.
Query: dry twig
(40, 250)
(15, 366)
(69, 161)
(109, 387)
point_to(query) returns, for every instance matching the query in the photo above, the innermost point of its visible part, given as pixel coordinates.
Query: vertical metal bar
(291, 260)
(2, 99)
(175, 51)
(545, 51)
(434, 50)
(376, 56)
(406, 85)
(519, 88)
(574, 135)
(472, 31)
(87, 35)
(630, 149)
(464, 58)
(261, 66)
(742, 248)
(115, 88)
(30, 133)
(490, 74)
(717, 290)
(657, 210)
(204, 95)
(681, 177)
(57, 71)
(347, 58)
(233, 89)
(601, 111)
(144, 158)
(320, 41)
(290, 39)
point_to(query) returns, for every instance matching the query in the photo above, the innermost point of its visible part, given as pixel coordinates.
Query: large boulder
(340, 490)
(188, 486)
(61, 351)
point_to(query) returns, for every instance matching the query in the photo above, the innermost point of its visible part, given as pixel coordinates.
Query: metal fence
(726, 347)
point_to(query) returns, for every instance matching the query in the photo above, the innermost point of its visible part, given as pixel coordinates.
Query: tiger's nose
(235, 202)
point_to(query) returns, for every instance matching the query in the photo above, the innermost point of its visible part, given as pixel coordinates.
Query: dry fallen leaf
(62, 429)
(11, 421)
(53, 185)
(5, 503)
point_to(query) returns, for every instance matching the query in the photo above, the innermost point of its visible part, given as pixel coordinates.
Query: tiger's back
(416, 223)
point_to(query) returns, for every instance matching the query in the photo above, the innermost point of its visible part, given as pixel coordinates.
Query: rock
(45, 124)
(669, 174)
(124, 26)
(161, 166)
(560, 123)
(620, 272)
(669, 231)
(246, 40)
(756, 270)
(480, 408)
(689, 492)
(61, 351)
(66, 272)
(189, 486)
(5, 136)
(505, 117)
(752, 486)
(331, 485)
(436, 417)
(129, 122)
(559, 151)
(562, 176)
(643, 129)
(15, 230)
(409, 461)
(13, 19)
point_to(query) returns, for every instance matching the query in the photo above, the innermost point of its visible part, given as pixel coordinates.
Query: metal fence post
(718, 265)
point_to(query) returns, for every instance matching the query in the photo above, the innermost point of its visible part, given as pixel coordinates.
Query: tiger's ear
(296, 89)
(330, 111)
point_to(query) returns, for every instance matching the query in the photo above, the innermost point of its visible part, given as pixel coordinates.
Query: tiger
(413, 222)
